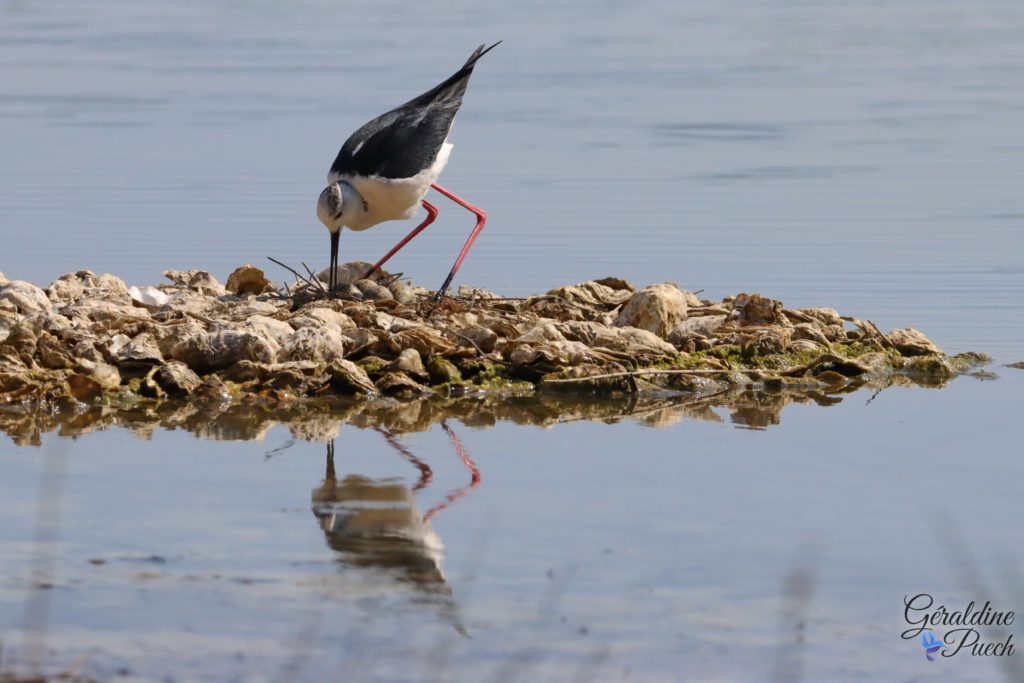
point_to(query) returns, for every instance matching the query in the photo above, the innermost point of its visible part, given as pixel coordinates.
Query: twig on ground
(313, 277)
(884, 340)
(820, 360)
(312, 283)
(636, 373)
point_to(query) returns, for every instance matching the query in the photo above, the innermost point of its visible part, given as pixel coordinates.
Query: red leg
(481, 218)
(431, 215)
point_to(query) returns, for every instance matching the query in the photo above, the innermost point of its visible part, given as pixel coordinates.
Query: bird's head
(330, 207)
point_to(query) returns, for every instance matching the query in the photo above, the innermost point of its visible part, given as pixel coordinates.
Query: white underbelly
(389, 199)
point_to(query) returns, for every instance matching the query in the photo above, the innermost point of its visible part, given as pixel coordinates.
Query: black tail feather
(478, 53)
(453, 87)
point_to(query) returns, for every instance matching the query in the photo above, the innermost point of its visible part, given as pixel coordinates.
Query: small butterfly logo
(931, 644)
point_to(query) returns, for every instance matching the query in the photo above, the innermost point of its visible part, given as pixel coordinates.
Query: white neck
(353, 205)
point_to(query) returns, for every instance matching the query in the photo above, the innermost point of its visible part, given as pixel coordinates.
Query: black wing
(406, 140)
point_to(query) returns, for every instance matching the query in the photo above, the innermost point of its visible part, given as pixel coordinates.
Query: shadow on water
(375, 523)
(318, 419)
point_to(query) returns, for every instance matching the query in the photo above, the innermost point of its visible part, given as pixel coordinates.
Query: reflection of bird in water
(375, 524)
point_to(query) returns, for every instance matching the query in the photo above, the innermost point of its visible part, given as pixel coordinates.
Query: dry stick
(475, 345)
(885, 340)
(788, 372)
(637, 373)
(824, 358)
(662, 404)
(298, 274)
(313, 277)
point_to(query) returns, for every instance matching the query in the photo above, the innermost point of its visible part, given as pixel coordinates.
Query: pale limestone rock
(149, 297)
(478, 337)
(52, 353)
(320, 316)
(811, 332)
(373, 291)
(141, 351)
(702, 326)
(269, 328)
(104, 374)
(911, 342)
(827, 316)
(248, 279)
(426, 340)
(176, 378)
(105, 316)
(754, 309)
(409, 362)
(400, 383)
(656, 308)
(630, 341)
(319, 344)
(85, 284)
(765, 341)
(217, 350)
(607, 292)
(23, 297)
(403, 293)
(347, 376)
(805, 346)
(198, 280)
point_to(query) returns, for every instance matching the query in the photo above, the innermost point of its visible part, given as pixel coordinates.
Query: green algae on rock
(92, 340)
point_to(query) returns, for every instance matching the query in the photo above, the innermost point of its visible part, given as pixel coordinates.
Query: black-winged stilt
(385, 169)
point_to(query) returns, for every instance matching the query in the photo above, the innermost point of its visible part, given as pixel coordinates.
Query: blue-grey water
(862, 155)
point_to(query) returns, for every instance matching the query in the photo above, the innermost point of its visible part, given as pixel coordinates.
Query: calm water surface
(865, 155)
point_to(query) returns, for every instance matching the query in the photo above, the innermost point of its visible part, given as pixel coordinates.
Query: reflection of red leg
(426, 474)
(481, 218)
(474, 475)
(431, 215)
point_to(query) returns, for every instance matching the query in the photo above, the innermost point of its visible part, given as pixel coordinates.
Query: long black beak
(332, 278)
